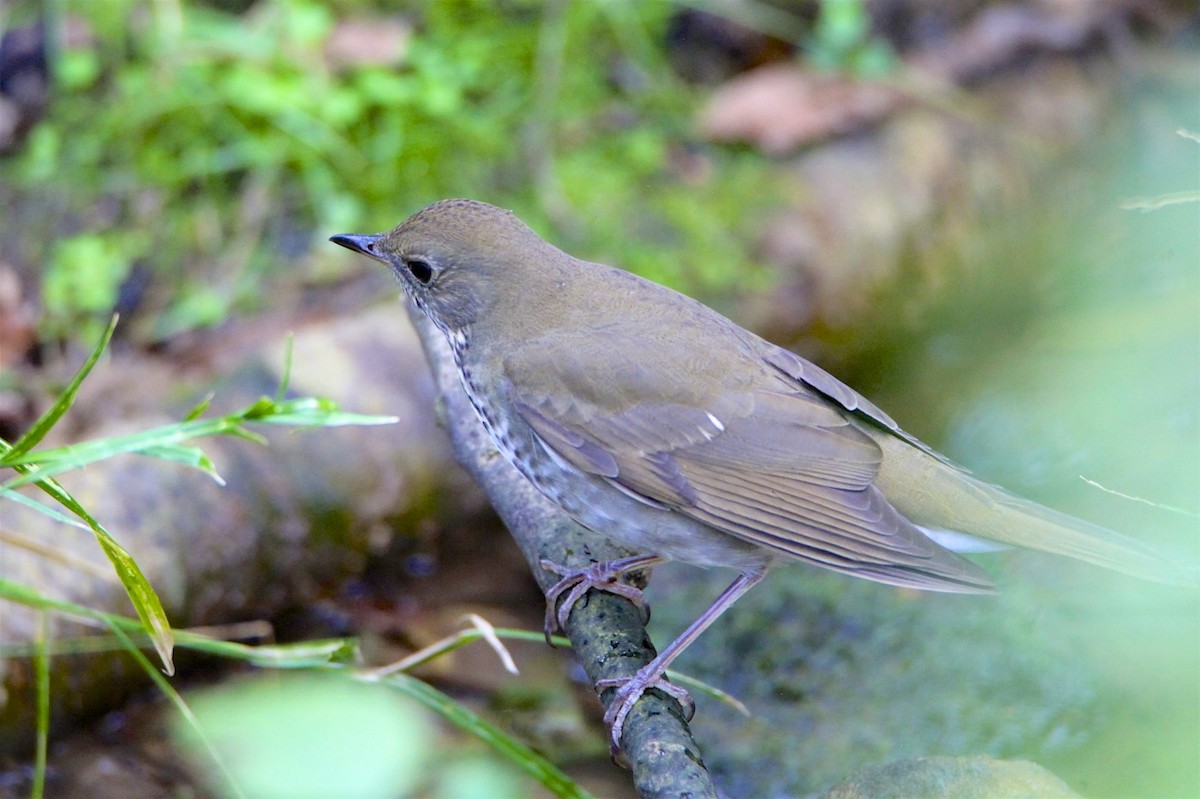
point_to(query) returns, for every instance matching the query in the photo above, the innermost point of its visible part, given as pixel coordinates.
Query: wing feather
(790, 472)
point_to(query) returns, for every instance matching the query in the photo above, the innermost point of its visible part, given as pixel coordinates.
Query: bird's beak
(360, 244)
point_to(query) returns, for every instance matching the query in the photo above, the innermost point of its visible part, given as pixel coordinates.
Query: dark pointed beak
(360, 244)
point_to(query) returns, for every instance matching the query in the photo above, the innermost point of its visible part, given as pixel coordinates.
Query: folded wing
(780, 467)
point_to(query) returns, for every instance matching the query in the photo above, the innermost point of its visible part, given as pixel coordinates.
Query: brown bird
(653, 420)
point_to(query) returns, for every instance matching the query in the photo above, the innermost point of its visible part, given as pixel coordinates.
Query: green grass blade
(300, 655)
(201, 407)
(21, 594)
(40, 507)
(186, 455)
(164, 442)
(41, 665)
(464, 718)
(145, 601)
(167, 441)
(286, 378)
(175, 699)
(327, 419)
(42, 426)
(303, 654)
(309, 411)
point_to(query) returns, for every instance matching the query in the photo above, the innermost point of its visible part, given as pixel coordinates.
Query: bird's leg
(652, 675)
(601, 576)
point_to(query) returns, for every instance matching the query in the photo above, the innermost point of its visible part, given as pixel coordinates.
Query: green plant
(211, 147)
(842, 40)
(208, 734)
(171, 443)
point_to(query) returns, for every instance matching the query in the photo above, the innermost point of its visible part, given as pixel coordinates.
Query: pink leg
(630, 689)
(601, 576)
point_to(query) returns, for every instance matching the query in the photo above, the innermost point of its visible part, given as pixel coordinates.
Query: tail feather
(935, 494)
(1027, 524)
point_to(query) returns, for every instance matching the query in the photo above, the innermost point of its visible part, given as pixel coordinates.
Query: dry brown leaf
(780, 107)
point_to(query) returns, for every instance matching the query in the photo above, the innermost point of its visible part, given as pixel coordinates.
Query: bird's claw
(575, 583)
(629, 691)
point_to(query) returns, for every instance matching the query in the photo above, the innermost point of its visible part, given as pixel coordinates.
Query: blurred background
(985, 216)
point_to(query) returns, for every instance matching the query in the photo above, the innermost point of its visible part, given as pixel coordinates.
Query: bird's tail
(933, 493)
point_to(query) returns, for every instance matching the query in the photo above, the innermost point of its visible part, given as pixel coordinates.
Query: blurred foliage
(216, 149)
(842, 40)
(313, 734)
(281, 733)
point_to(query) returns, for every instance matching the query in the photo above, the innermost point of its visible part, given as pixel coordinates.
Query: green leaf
(315, 734)
(160, 441)
(286, 378)
(38, 430)
(166, 441)
(78, 68)
(465, 719)
(303, 654)
(199, 409)
(175, 699)
(327, 419)
(41, 663)
(145, 601)
(188, 456)
(40, 507)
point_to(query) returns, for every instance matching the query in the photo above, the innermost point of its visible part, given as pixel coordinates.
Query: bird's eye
(420, 270)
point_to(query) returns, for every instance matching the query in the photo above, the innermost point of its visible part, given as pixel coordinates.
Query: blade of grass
(285, 379)
(175, 699)
(41, 665)
(201, 407)
(300, 655)
(303, 654)
(188, 456)
(47, 420)
(167, 441)
(326, 655)
(40, 507)
(309, 411)
(520, 754)
(145, 601)
(168, 438)
(465, 719)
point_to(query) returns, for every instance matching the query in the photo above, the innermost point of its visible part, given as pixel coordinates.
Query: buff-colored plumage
(653, 420)
(701, 441)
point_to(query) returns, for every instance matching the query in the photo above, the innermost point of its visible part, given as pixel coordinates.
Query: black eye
(421, 270)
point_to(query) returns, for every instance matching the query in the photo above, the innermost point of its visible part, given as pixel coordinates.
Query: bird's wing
(814, 377)
(787, 471)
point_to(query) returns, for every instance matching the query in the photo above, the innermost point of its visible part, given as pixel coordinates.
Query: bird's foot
(602, 577)
(630, 690)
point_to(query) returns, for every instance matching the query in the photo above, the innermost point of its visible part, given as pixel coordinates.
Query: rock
(953, 778)
(299, 514)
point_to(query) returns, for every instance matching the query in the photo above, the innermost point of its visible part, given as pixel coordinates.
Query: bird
(655, 421)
